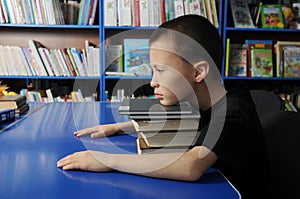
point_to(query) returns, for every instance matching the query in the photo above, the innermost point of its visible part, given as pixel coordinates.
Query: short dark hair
(197, 29)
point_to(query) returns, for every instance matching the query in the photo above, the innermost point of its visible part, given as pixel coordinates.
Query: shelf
(129, 77)
(263, 30)
(262, 78)
(50, 26)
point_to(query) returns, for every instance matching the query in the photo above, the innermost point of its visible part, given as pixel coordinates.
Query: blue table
(31, 147)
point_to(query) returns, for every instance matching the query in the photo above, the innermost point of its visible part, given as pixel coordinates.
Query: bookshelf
(278, 84)
(60, 36)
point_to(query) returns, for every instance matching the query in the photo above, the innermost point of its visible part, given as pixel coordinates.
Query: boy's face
(173, 78)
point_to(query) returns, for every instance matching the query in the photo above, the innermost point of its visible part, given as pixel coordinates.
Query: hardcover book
(279, 55)
(261, 64)
(271, 16)
(241, 14)
(179, 141)
(6, 114)
(291, 61)
(136, 57)
(114, 58)
(238, 60)
(12, 101)
(257, 44)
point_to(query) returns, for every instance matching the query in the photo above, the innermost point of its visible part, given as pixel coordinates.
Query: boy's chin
(166, 102)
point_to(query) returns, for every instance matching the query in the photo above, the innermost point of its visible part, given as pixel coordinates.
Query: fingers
(87, 131)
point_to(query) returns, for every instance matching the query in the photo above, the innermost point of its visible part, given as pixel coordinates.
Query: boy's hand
(99, 131)
(84, 160)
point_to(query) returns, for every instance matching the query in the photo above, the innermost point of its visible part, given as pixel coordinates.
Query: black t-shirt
(232, 130)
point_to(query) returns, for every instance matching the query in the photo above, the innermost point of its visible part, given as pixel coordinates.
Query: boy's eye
(159, 70)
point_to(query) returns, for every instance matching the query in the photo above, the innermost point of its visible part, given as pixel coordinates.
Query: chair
(266, 101)
(282, 136)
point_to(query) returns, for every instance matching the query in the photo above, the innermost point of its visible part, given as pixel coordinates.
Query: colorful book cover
(261, 60)
(238, 60)
(279, 55)
(241, 14)
(136, 57)
(291, 61)
(271, 16)
(252, 42)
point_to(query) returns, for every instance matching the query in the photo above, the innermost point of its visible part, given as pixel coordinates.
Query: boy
(186, 57)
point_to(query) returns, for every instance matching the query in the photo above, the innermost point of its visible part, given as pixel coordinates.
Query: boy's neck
(208, 96)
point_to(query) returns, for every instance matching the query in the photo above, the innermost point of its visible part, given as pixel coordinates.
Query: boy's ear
(202, 69)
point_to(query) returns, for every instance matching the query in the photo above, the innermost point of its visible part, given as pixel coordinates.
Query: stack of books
(16, 102)
(162, 128)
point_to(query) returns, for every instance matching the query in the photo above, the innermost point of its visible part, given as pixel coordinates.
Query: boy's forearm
(179, 166)
(126, 126)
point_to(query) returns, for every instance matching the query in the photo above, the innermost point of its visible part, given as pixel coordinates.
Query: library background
(66, 50)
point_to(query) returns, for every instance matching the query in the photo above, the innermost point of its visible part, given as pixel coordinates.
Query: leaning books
(291, 61)
(241, 14)
(271, 16)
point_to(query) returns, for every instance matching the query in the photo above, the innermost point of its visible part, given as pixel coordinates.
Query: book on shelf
(12, 101)
(296, 12)
(271, 16)
(241, 14)
(87, 11)
(110, 13)
(279, 55)
(258, 44)
(261, 60)
(124, 13)
(155, 12)
(291, 61)
(113, 73)
(32, 12)
(136, 57)
(237, 65)
(114, 58)
(7, 114)
(35, 57)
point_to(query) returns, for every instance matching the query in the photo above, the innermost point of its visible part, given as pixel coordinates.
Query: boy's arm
(188, 166)
(106, 129)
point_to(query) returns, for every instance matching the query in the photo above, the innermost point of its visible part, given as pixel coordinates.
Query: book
(6, 114)
(296, 12)
(237, 60)
(114, 58)
(279, 55)
(12, 101)
(165, 125)
(179, 141)
(22, 109)
(136, 57)
(124, 13)
(35, 57)
(110, 13)
(271, 16)
(291, 61)
(258, 43)
(261, 61)
(151, 109)
(241, 14)
(141, 106)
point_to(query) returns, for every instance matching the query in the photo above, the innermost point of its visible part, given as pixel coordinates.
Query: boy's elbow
(197, 166)
(193, 172)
